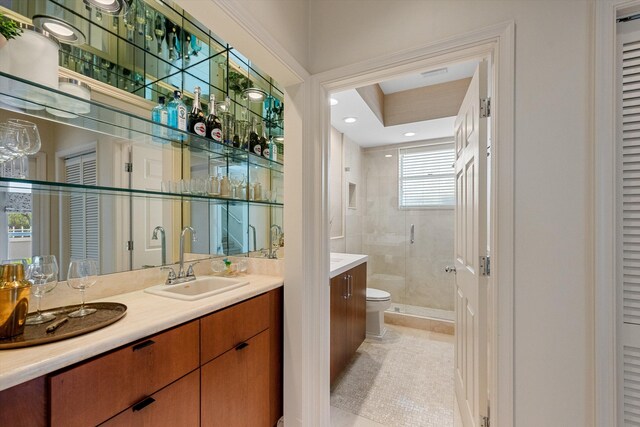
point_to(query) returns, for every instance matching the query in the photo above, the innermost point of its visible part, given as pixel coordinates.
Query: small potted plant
(9, 29)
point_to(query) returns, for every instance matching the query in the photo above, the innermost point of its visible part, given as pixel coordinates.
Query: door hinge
(485, 108)
(128, 167)
(130, 245)
(485, 265)
(485, 422)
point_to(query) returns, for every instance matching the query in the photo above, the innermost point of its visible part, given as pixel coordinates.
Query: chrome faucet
(163, 242)
(182, 277)
(253, 229)
(272, 253)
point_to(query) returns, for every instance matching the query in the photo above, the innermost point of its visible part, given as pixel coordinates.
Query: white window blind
(84, 220)
(426, 176)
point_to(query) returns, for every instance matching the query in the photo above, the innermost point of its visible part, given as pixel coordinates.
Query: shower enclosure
(409, 247)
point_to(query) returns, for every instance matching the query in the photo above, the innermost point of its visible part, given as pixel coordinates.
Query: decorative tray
(106, 314)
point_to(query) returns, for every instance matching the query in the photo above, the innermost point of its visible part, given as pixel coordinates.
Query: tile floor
(404, 379)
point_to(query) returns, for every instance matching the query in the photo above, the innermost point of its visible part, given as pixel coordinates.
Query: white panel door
(470, 245)
(147, 212)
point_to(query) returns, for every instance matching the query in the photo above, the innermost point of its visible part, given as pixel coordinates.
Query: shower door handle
(413, 234)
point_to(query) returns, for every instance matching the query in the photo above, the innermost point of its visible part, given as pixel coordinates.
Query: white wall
(553, 166)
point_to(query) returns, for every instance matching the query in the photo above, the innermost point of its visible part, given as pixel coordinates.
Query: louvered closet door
(628, 219)
(84, 209)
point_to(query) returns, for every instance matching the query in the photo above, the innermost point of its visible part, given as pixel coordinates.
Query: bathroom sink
(200, 288)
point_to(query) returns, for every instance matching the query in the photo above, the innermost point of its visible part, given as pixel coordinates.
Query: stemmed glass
(42, 273)
(82, 275)
(29, 137)
(237, 181)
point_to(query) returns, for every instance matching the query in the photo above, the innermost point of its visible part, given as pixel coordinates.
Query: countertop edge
(133, 326)
(349, 261)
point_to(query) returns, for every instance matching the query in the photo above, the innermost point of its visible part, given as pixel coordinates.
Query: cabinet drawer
(177, 404)
(235, 386)
(94, 391)
(226, 328)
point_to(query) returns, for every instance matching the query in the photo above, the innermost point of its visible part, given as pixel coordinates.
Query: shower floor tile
(403, 379)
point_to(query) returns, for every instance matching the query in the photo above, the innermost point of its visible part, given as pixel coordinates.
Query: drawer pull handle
(144, 344)
(242, 345)
(143, 404)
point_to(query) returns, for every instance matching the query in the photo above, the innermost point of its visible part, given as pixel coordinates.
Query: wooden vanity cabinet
(222, 369)
(241, 373)
(94, 391)
(348, 318)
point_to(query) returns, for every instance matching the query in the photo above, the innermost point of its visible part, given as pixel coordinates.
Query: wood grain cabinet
(224, 369)
(348, 302)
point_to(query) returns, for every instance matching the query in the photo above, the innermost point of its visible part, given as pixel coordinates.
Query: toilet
(377, 302)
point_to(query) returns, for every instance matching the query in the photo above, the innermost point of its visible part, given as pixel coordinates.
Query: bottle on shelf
(254, 139)
(213, 124)
(264, 142)
(177, 112)
(196, 116)
(273, 150)
(227, 119)
(160, 114)
(241, 134)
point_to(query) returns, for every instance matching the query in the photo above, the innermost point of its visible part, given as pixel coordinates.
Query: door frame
(605, 241)
(498, 43)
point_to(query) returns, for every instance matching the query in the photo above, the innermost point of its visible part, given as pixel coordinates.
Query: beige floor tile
(403, 379)
(342, 418)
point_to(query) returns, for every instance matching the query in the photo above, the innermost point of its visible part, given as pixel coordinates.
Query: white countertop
(339, 263)
(146, 315)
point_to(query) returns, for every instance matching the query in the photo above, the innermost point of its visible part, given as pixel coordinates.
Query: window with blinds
(426, 177)
(84, 211)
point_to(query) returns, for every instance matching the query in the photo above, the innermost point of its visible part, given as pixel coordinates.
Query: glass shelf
(45, 187)
(32, 99)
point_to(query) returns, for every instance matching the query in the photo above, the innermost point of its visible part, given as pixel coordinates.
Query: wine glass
(42, 273)
(82, 275)
(29, 140)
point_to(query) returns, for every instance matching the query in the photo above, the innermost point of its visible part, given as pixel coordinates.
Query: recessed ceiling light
(388, 155)
(333, 101)
(350, 119)
(254, 94)
(61, 30)
(112, 7)
(409, 134)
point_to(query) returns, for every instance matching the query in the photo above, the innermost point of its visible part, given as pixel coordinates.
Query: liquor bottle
(160, 114)
(241, 134)
(254, 139)
(213, 124)
(264, 142)
(177, 112)
(266, 148)
(196, 116)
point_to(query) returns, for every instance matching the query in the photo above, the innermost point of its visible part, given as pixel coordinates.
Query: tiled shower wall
(412, 273)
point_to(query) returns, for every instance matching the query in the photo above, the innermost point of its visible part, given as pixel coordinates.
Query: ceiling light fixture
(112, 7)
(388, 155)
(61, 30)
(333, 101)
(350, 119)
(409, 134)
(254, 94)
(279, 139)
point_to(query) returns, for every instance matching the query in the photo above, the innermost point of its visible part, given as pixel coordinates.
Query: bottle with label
(196, 116)
(241, 134)
(160, 114)
(273, 150)
(254, 139)
(213, 124)
(266, 149)
(177, 112)
(264, 142)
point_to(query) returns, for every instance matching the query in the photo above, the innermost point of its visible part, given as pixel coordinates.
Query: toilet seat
(377, 295)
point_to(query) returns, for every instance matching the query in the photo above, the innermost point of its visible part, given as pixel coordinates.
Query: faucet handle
(172, 275)
(190, 272)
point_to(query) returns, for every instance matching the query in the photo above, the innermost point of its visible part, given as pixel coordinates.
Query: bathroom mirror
(116, 227)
